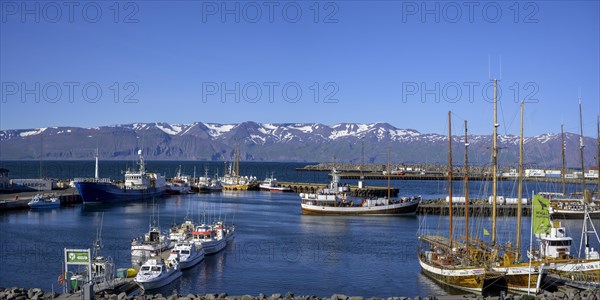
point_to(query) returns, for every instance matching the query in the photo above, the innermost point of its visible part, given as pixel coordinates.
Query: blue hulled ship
(138, 185)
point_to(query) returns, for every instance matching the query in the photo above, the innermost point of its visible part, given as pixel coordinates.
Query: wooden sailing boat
(233, 181)
(520, 276)
(451, 262)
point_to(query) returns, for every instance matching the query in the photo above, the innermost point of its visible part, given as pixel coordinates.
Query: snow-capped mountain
(278, 142)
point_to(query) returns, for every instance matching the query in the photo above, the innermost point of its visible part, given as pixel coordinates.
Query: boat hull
(406, 208)
(275, 189)
(106, 192)
(158, 282)
(49, 205)
(517, 278)
(580, 274)
(212, 247)
(573, 214)
(470, 280)
(235, 187)
(192, 261)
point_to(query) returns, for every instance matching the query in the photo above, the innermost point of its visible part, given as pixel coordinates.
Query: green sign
(78, 256)
(541, 215)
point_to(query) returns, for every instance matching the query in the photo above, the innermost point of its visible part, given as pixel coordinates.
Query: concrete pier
(369, 191)
(19, 200)
(479, 209)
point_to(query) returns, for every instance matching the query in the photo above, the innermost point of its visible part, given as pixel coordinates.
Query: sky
(406, 63)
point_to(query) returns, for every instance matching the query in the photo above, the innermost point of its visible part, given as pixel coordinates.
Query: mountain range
(304, 142)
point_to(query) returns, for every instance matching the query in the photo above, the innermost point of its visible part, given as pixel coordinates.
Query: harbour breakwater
(14, 293)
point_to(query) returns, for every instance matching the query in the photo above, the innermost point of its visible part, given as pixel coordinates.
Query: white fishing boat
(555, 251)
(208, 185)
(270, 184)
(182, 232)
(155, 273)
(334, 201)
(179, 185)
(40, 202)
(213, 238)
(187, 254)
(562, 207)
(151, 242)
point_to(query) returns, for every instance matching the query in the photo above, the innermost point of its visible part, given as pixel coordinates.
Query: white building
(34, 184)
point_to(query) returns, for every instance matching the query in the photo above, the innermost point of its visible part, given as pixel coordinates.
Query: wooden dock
(479, 209)
(369, 191)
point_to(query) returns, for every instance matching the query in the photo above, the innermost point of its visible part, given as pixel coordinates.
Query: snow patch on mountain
(32, 132)
(170, 130)
(216, 130)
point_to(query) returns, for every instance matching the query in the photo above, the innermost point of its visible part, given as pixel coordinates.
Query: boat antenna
(450, 212)
(562, 154)
(97, 172)
(389, 176)
(41, 152)
(466, 182)
(98, 244)
(520, 184)
(581, 146)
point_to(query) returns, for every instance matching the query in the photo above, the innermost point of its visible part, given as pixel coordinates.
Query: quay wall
(16, 293)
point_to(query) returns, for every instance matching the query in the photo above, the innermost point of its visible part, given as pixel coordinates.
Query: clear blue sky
(373, 54)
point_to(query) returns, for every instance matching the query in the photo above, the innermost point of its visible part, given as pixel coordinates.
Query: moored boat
(155, 273)
(270, 184)
(138, 185)
(208, 185)
(179, 185)
(151, 242)
(333, 200)
(40, 202)
(555, 252)
(187, 254)
(213, 238)
(233, 181)
(182, 232)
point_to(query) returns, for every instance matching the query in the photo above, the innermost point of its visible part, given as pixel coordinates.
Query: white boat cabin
(557, 244)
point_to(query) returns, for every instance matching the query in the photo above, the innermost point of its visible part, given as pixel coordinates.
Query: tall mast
(96, 171)
(466, 180)
(362, 157)
(598, 153)
(581, 146)
(520, 185)
(389, 175)
(450, 212)
(562, 154)
(494, 167)
(41, 153)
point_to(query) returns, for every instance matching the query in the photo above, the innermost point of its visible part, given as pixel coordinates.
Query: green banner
(541, 215)
(74, 256)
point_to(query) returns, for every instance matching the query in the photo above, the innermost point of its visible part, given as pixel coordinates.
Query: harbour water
(276, 249)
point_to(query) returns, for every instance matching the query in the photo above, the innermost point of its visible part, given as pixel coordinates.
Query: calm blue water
(276, 249)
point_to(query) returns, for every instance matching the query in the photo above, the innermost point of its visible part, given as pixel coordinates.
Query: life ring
(61, 279)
